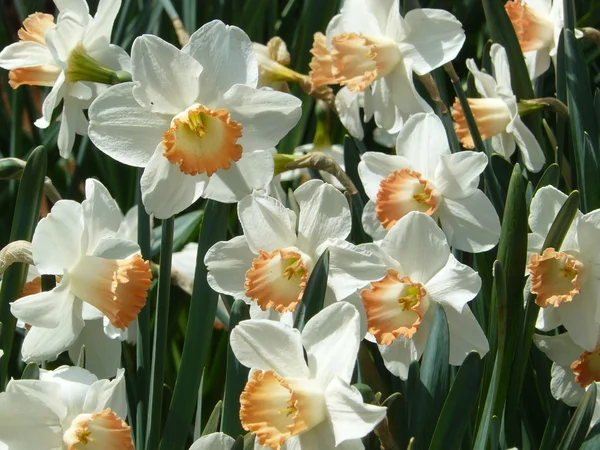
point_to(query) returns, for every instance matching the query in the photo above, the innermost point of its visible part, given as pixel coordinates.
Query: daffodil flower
(46, 56)
(66, 408)
(538, 24)
(404, 280)
(369, 47)
(101, 275)
(269, 265)
(425, 176)
(574, 369)
(497, 114)
(566, 281)
(289, 403)
(194, 119)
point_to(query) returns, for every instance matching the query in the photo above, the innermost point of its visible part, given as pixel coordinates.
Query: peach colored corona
(555, 277)
(534, 30)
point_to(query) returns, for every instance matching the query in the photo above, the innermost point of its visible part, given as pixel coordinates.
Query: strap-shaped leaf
(314, 294)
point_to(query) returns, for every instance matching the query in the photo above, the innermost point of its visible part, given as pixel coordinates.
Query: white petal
(128, 228)
(102, 354)
(267, 224)
(44, 309)
(100, 29)
(371, 224)
(45, 344)
(379, 101)
(484, 83)
(53, 99)
(213, 441)
(166, 80)
(253, 171)
(266, 116)
(123, 129)
(457, 175)
(25, 54)
(543, 210)
(405, 97)
(422, 141)
(324, 214)
(466, 335)
(101, 213)
(227, 56)
(471, 223)
(538, 62)
(347, 106)
(560, 348)
(166, 190)
(398, 356)
(533, 156)
(107, 394)
(227, 264)
(454, 285)
(350, 416)
(185, 260)
(352, 267)
(435, 38)
(376, 167)
(564, 387)
(579, 318)
(331, 340)
(56, 243)
(69, 121)
(419, 245)
(501, 69)
(28, 423)
(548, 318)
(268, 345)
(504, 144)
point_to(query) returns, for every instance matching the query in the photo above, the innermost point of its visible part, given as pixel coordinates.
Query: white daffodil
(194, 119)
(538, 24)
(67, 408)
(334, 151)
(574, 369)
(405, 279)
(369, 47)
(273, 60)
(566, 282)
(270, 264)
(291, 404)
(101, 275)
(213, 441)
(51, 54)
(425, 176)
(497, 114)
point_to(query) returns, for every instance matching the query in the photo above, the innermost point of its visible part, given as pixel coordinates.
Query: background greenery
(532, 418)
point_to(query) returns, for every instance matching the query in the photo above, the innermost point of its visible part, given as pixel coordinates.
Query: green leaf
(31, 372)
(580, 421)
(238, 444)
(557, 423)
(159, 347)
(25, 218)
(212, 425)
(493, 405)
(551, 177)
(592, 440)
(462, 397)
(435, 378)
(237, 376)
(314, 294)
(199, 331)
(583, 121)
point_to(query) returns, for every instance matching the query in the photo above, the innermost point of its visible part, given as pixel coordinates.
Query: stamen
(117, 287)
(395, 306)
(202, 140)
(35, 26)
(401, 192)
(534, 30)
(555, 277)
(277, 280)
(99, 431)
(276, 408)
(358, 60)
(587, 367)
(491, 116)
(321, 65)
